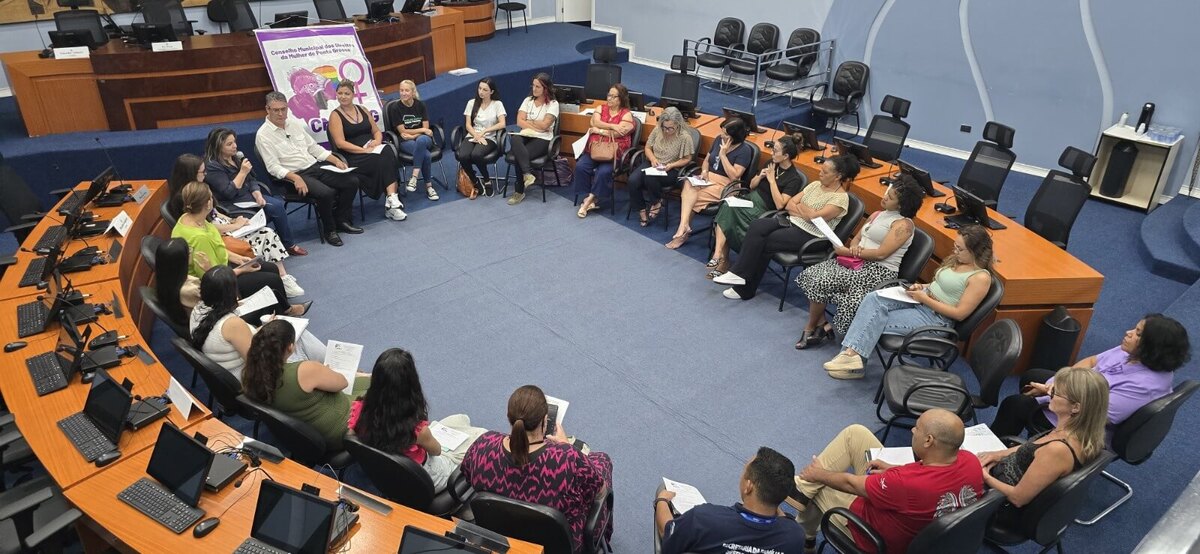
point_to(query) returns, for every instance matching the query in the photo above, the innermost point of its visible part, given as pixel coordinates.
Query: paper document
(588, 111)
(686, 496)
(378, 148)
(557, 411)
(654, 172)
(343, 357)
(180, 398)
(897, 293)
(736, 202)
(246, 205)
(580, 145)
(462, 71)
(827, 231)
(640, 116)
(335, 169)
(298, 323)
(447, 437)
(980, 438)
(896, 455)
(257, 221)
(698, 182)
(264, 298)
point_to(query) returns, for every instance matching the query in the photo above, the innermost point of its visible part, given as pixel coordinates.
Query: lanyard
(756, 519)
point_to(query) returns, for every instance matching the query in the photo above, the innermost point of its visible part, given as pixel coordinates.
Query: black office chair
(169, 12)
(219, 12)
(886, 134)
(762, 48)
(303, 443)
(493, 157)
(436, 150)
(540, 524)
(33, 517)
(991, 159)
(1045, 518)
(1057, 202)
(82, 20)
(796, 60)
(21, 206)
(508, 8)
(958, 531)
(330, 10)
(291, 196)
(1134, 440)
(222, 385)
(937, 345)
(150, 299)
(241, 16)
(602, 73)
(910, 391)
(405, 482)
(722, 47)
(845, 93)
(915, 258)
(538, 165)
(149, 248)
(15, 452)
(815, 250)
(164, 211)
(690, 169)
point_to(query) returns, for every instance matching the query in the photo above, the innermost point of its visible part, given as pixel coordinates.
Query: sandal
(642, 218)
(811, 338)
(583, 210)
(714, 262)
(652, 213)
(679, 240)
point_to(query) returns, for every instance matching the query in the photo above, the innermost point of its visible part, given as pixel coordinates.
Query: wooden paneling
(54, 96)
(478, 18)
(449, 40)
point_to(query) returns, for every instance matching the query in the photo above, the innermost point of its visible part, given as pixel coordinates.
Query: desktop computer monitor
(71, 38)
(568, 94)
(412, 6)
(747, 117)
(808, 135)
(921, 177)
(148, 33)
(637, 102)
(380, 10)
(685, 107)
(285, 20)
(971, 210)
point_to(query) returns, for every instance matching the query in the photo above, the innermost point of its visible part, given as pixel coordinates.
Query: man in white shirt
(291, 155)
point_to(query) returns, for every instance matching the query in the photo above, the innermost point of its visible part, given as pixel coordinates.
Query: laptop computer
(808, 136)
(418, 541)
(179, 465)
(287, 520)
(52, 371)
(97, 429)
(858, 151)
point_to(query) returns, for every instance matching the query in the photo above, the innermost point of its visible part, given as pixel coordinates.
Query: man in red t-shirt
(896, 501)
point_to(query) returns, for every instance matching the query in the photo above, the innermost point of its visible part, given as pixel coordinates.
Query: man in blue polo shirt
(755, 525)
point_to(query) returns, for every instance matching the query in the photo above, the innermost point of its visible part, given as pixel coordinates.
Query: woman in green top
(957, 289)
(307, 390)
(208, 250)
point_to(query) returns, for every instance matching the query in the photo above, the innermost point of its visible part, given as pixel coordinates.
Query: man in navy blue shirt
(756, 524)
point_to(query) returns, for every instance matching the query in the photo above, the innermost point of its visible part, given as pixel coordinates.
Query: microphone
(37, 9)
(237, 158)
(822, 157)
(110, 160)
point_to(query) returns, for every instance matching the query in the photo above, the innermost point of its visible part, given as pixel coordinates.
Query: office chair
(330, 10)
(33, 517)
(405, 482)
(602, 74)
(218, 12)
(149, 249)
(241, 16)
(991, 159)
(493, 157)
(885, 136)
(538, 164)
(724, 44)
(21, 207)
(436, 150)
(304, 444)
(815, 250)
(169, 12)
(845, 93)
(83, 20)
(762, 46)
(691, 168)
(915, 258)
(1057, 202)
(508, 8)
(541, 524)
(958, 531)
(796, 61)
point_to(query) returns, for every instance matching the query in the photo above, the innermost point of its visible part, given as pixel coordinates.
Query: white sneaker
(396, 214)
(393, 201)
(412, 184)
(290, 288)
(530, 179)
(731, 294)
(729, 278)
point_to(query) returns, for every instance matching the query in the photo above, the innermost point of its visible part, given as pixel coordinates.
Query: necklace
(355, 119)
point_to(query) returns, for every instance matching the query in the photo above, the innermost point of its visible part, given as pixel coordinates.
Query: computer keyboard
(85, 436)
(46, 372)
(54, 236)
(255, 546)
(31, 318)
(33, 273)
(72, 201)
(151, 499)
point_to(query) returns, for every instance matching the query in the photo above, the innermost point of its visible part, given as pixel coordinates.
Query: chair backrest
(1056, 204)
(150, 300)
(802, 49)
(82, 20)
(683, 87)
(397, 477)
(695, 133)
(600, 78)
(989, 164)
(218, 11)
(916, 256)
(19, 199)
(959, 531)
(150, 244)
(304, 444)
(164, 210)
(224, 387)
(1135, 439)
(763, 37)
(993, 357)
(850, 81)
(1045, 517)
(604, 53)
(167, 12)
(885, 137)
(522, 520)
(241, 16)
(990, 300)
(330, 9)
(730, 31)
(854, 214)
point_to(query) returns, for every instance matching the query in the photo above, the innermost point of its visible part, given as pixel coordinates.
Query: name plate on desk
(169, 46)
(120, 224)
(72, 53)
(141, 194)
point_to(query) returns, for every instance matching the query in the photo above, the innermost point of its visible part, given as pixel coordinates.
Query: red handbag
(850, 262)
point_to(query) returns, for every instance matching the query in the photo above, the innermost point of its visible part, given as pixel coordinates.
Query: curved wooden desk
(479, 17)
(108, 522)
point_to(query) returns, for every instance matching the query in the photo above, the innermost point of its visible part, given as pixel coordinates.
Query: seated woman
(204, 242)
(613, 122)
(393, 416)
(1139, 370)
(873, 258)
(668, 149)
(416, 138)
(776, 184)
(825, 198)
(355, 135)
(957, 289)
(263, 243)
(178, 293)
(223, 336)
(231, 182)
(536, 117)
(309, 391)
(1079, 398)
(727, 160)
(540, 469)
(483, 117)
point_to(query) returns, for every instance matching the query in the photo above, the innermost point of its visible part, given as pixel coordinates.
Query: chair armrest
(603, 499)
(390, 137)
(234, 211)
(734, 188)
(6, 261)
(962, 406)
(61, 192)
(893, 283)
(1059, 244)
(439, 136)
(770, 57)
(458, 487)
(1010, 440)
(24, 499)
(555, 145)
(629, 159)
(8, 437)
(52, 527)
(339, 156)
(7, 419)
(812, 94)
(872, 535)
(930, 337)
(21, 227)
(36, 216)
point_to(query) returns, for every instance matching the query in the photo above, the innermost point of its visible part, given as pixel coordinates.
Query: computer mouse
(205, 527)
(107, 458)
(15, 346)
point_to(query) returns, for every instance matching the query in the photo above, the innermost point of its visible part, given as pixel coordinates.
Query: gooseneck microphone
(111, 163)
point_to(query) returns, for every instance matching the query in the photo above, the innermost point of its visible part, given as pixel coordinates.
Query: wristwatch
(657, 500)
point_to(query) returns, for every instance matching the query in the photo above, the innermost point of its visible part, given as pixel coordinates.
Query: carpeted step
(1165, 241)
(1191, 227)
(1186, 308)
(586, 47)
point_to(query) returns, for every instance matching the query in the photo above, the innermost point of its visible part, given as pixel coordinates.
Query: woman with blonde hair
(668, 149)
(411, 123)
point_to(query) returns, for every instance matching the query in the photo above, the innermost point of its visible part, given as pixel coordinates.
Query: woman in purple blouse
(534, 467)
(1139, 370)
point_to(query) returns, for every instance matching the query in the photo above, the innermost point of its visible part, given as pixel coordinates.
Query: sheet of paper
(686, 496)
(343, 357)
(180, 398)
(378, 148)
(898, 294)
(463, 71)
(447, 437)
(257, 221)
(897, 455)
(557, 411)
(580, 145)
(121, 223)
(298, 323)
(335, 169)
(827, 231)
(264, 298)
(654, 172)
(588, 111)
(640, 116)
(980, 438)
(250, 205)
(736, 202)
(698, 182)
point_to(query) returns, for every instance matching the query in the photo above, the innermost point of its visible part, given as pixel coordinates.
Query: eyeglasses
(668, 127)
(611, 96)
(1052, 392)
(277, 110)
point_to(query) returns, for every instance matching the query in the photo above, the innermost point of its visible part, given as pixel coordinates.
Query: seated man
(754, 525)
(896, 501)
(292, 155)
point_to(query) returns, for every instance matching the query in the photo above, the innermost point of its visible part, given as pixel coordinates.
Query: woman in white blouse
(536, 117)
(484, 116)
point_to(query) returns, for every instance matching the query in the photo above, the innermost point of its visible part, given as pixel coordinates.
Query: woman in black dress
(354, 133)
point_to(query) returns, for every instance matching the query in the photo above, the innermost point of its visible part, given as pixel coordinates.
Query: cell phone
(252, 261)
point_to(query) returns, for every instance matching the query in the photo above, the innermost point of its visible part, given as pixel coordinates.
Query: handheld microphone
(237, 158)
(110, 160)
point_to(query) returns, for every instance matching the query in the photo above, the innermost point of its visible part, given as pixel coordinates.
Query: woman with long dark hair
(355, 134)
(393, 416)
(232, 181)
(484, 116)
(537, 117)
(308, 390)
(178, 293)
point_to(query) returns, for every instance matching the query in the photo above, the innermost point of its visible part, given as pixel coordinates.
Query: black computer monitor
(99, 185)
(685, 107)
(971, 210)
(70, 347)
(412, 6)
(857, 150)
(292, 520)
(71, 38)
(180, 463)
(637, 102)
(921, 177)
(568, 94)
(75, 4)
(380, 10)
(808, 135)
(419, 541)
(751, 121)
(284, 20)
(107, 405)
(148, 33)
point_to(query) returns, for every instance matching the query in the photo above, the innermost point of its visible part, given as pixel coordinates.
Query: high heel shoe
(809, 338)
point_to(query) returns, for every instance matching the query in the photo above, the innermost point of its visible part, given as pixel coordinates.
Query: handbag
(850, 262)
(465, 186)
(604, 149)
(237, 246)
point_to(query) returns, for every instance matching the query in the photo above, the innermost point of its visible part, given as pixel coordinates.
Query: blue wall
(1035, 69)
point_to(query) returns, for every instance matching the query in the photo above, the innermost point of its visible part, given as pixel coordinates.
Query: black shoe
(348, 227)
(333, 239)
